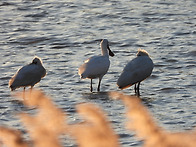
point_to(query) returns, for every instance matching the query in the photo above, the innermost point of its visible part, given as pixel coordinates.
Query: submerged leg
(23, 93)
(98, 88)
(91, 87)
(31, 89)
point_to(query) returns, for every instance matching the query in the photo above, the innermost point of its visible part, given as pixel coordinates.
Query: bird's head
(142, 52)
(37, 61)
(105, 43)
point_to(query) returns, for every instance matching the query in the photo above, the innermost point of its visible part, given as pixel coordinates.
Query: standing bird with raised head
(136, 71)
(96, 66)
(28, 75)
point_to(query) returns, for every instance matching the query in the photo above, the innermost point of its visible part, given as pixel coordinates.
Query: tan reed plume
(96, 130)
(146, 128)
(48, 124)
(11, 138)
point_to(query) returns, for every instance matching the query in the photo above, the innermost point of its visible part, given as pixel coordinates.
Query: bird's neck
(104, 51)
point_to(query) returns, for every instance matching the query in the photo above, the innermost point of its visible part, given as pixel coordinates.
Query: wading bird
(96, 66)
(136, 71)
(28, 75)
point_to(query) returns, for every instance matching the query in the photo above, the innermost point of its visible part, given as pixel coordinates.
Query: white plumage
(28, 75)
(136, 71)
(97, 66)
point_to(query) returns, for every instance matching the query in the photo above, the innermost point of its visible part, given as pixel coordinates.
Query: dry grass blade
(11, 138)
(96, 131)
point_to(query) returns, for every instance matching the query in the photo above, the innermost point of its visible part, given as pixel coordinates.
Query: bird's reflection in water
(96, 95)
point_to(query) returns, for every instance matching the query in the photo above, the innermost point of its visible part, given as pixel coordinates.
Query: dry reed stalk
(95, 131)
(145, 127)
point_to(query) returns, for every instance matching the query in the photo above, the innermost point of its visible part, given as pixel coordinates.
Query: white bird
(28, 75)
(96, 66)
(136, 71)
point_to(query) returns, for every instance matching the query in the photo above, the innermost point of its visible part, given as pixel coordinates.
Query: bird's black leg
(91, 87)
(135, 88)
(24, 93)
(138, 89)
(98, 88)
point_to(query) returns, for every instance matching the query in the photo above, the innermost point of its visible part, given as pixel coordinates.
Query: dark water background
(64, 33)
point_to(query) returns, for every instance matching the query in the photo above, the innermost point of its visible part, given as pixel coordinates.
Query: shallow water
(65, 33)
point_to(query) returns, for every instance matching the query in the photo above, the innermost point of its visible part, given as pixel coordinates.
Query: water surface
(65, 33)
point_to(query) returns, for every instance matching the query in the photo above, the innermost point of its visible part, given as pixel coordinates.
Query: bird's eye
(34, 62)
